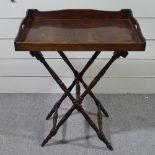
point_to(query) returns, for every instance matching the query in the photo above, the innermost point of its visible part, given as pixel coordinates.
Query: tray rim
(121, 14)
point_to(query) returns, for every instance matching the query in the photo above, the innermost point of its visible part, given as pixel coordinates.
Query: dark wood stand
(34, 37)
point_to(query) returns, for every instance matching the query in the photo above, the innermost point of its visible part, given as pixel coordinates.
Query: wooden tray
(79, 30)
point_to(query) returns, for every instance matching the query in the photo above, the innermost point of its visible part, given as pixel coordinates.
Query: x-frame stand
(77, 102)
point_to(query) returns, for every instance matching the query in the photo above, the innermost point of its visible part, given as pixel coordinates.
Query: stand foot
(102, 138)
(48, 117)
(51, 134)
(110, 147)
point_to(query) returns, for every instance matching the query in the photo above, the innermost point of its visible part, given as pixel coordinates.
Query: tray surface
(79, 30)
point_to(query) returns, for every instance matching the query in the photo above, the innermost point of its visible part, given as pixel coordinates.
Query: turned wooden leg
(58, 103)
(97, 102)
(79, 76)
(79, 98)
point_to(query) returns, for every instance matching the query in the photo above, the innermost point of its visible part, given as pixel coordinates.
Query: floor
(130, 128)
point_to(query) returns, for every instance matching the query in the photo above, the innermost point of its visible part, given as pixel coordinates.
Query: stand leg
(60, 100)
(115, 56)
(79, 76)
(97, 102)
(78, 101)
(75, 102)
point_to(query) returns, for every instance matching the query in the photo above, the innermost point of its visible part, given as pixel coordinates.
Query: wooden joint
(81, 98)
(39, 56)
(117, 54)
(77, 105)
(124, 54)
(59, 82)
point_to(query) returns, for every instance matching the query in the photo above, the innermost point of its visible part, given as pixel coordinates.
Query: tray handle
(137, 26)
(21, 28)
(27, 19)
(24, 24)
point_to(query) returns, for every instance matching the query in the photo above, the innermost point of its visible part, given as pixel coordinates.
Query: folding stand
(79, 30)
(77, 102)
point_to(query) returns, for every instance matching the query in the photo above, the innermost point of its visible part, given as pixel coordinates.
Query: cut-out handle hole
(22, 27)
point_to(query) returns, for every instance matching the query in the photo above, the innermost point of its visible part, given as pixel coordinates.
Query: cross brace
(77, 102)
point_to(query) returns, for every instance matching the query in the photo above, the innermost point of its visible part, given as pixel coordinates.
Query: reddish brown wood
(80, 30)
(78, 76)
(76, 102)
(68, 30)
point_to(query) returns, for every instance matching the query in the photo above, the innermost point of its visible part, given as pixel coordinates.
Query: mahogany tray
(79, 30)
